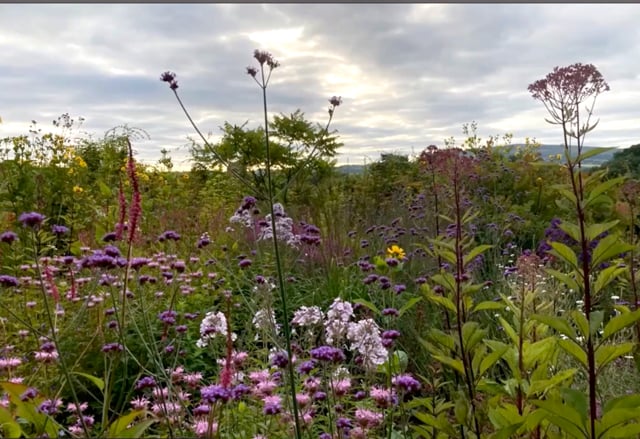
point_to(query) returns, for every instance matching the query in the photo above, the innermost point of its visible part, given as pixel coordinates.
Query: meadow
(479, 290)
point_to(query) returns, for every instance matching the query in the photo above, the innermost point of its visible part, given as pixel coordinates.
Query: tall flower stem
(276, 250)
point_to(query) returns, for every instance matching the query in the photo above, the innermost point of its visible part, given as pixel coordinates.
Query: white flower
(212, 325)
(307, 316)
(337, 322)
(365, 338)
(264, 320)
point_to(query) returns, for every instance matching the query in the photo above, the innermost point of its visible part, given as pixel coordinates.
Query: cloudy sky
(409, 75)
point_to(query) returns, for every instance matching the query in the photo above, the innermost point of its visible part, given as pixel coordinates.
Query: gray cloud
(410, 75)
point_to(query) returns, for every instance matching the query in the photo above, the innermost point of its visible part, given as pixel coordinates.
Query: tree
(298, 147)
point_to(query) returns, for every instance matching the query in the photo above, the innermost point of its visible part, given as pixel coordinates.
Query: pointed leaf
(410, 304)
(581, 322)
(368, 304)
(117, 427)
(619, 322)
(608, 248)
(137, 430)
(595, 230)
(602, 188)
(565, 253)
(488, 305)
(475, 252)
(491, 359)
(564, 416)
(605, 354)
(606, 276)
(573, 349)
(565, 279)
(95, 380)
(557, 323)
(453, 363)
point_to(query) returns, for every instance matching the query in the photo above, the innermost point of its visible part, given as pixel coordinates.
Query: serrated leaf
(619, 322)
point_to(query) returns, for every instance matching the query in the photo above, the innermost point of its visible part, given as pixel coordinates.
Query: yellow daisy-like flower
(78, 189)
(396, 252)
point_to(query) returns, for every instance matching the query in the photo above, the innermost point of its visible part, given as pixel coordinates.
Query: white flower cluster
(365, 338)
(337, 323)
(264, 320)
(284, 227)
(213, 324)
(242, 216)
(307, 316)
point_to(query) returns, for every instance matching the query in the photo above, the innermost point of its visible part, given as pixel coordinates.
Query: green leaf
(508, 329)
(475, 252)
(557, 323)
(605, 354)
(368, 304)
(119, 426)
(592, 152)
(95, 380)
(614, 418)
(565, 253)
(577, 400)
(573, 349)
(491, 359)
(581, 322)
(9, 427)
(624, 320)
(624, 431)
(624, 401)
(443, 301)
(564, 416)
(137, 430)
(606, 276)
(565, 279)
(596, 320)
(595, 230)
(571, 229)
(472, 334)
(608, 248)
(543, 386)
(602, 188)
(453, 363)
(488, 305)
(410, 304)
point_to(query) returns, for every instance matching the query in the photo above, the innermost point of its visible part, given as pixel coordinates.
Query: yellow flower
(80, 161)
(396, 252)
(77, 189)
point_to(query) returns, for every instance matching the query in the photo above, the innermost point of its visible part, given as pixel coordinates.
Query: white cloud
(410, 75)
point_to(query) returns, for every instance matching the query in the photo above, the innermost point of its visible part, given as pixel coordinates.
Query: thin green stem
(276, 249)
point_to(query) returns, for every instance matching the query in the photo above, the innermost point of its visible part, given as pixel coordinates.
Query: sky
(410, 75)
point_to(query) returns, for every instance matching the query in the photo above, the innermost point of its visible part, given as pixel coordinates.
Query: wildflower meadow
(477, 290)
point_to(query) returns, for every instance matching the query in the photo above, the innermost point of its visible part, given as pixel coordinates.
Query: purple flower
(327, 354)
(215, 392)
(280, 359)
(239, 391)
(28, 394)
(390, 312)
(8, 281)
(109, 237)
(31, 219)
(145, 382)
(9, 237)
(170, 78)
(245, 263)
(59, 230)
(306, 367)
(168, 317)
(169, 235)
(137, 263)
(406, 382)
(112, 347)
(399, 288)
(272, 405)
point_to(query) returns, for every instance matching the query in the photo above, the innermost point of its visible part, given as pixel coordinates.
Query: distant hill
(545, 151)
(600, 159)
